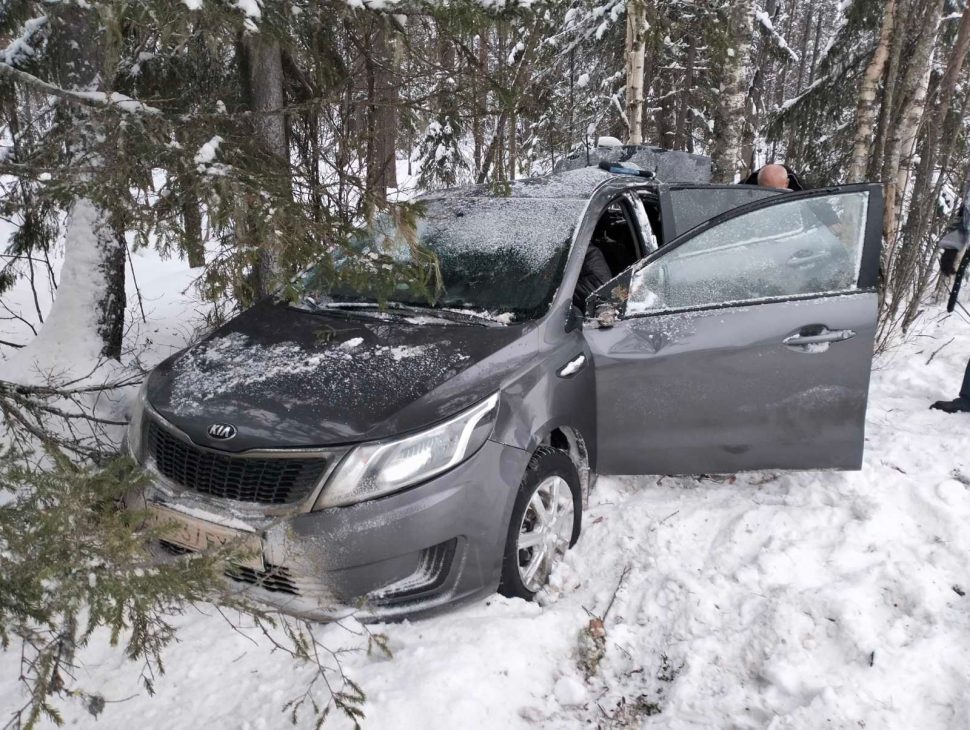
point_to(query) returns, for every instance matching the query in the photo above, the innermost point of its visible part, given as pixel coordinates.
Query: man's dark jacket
(592, 276)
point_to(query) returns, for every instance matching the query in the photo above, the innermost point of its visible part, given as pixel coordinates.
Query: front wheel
(545, 523)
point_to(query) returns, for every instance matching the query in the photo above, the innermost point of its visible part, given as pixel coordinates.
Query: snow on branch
(769, 29)
(22, 48)
(97, 99)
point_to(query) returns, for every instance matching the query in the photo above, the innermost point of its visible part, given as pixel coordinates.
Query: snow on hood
(289, 378)
(234, 364)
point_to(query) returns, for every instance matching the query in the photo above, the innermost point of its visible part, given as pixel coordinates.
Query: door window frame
(668, 219)
(868, 265)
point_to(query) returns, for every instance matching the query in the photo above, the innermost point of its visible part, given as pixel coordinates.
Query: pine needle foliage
(817, 126)
(73, 566)
(180, 137)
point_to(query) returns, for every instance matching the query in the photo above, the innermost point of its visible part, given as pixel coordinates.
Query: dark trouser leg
(957, 405)
(965, 388)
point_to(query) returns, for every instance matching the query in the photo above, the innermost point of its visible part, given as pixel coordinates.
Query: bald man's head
(773, 176)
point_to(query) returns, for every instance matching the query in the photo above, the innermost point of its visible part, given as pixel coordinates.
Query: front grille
(243, 478)
(275, 578)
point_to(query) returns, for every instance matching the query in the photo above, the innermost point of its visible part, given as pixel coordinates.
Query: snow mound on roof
(579, 183)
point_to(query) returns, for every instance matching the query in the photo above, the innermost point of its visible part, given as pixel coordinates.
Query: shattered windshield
(502, 256)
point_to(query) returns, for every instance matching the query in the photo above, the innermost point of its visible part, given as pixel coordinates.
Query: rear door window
(686, 207)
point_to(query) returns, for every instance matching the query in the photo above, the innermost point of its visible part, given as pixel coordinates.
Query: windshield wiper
(483, 319)
(341, 309)
(374, 309)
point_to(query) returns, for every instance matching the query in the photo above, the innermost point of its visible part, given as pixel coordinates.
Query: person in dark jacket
(594, 273)
(953, 261)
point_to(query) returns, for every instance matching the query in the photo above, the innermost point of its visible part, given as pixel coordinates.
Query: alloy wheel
(545, 531)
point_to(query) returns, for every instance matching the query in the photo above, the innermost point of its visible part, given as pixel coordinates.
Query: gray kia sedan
(399, 458)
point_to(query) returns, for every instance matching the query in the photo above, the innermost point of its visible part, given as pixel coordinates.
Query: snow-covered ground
(767, 600)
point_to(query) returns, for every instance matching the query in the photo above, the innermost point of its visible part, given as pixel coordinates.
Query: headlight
(135, 422)
(383, 467)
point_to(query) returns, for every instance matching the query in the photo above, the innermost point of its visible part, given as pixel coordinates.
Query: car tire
(541, 530)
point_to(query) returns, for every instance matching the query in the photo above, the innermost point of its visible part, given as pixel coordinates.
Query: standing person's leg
(965, 388)
(961, 404)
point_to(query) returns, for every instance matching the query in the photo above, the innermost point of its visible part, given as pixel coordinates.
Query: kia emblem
(222, 431)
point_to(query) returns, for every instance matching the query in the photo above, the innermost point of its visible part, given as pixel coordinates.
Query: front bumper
(406, 554)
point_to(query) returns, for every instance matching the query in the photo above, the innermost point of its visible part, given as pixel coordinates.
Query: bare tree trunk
(520, 80)
(756, 95)
(729, 113)
(684, 137)
(866, 106)
(382, 101)
(636, 29)
(192, 227)
(262, 72)
(513, 144)
(94, 251)
(480, 105)
(803, 49)
(498, 149)
(817, 44)
(665, 118)
(781, 82)
(382, 163)
(792, 147)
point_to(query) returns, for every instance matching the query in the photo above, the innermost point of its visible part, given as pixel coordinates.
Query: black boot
(957, 405)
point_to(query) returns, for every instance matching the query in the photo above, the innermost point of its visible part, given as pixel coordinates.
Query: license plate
(195, 534)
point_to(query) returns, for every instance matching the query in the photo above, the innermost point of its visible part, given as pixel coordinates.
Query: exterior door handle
(572, 367)
(825, 336)
(805, 257)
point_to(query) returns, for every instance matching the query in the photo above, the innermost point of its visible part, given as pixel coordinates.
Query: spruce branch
(96, 99)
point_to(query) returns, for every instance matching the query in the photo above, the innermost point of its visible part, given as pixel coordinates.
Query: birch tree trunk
(908, 135)
(891, 81)
(866, 106)
(914, 264)
(636, 30)
(729, 113)
(913, 97)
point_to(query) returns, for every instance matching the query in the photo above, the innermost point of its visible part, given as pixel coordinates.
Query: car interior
(616, 237)
(620, 237)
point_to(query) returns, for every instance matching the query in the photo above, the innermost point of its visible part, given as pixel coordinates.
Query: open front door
(745, 343)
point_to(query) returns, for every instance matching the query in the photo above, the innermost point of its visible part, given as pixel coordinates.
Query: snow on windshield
(531, 230)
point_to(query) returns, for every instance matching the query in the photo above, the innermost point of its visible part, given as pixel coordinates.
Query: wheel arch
(573, 442)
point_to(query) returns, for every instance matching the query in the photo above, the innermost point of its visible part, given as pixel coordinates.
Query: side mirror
(604, 316)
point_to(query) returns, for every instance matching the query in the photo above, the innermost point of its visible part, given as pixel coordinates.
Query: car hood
(286, 377)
